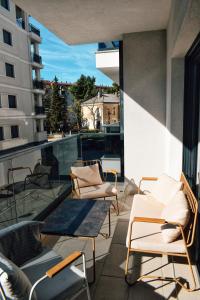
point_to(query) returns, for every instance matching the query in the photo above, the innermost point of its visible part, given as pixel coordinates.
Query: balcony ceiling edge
(78, 22)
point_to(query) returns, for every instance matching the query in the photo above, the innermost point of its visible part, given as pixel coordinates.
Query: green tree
(57, 116)
(83, 90)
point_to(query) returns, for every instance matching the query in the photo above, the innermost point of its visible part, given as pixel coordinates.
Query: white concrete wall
(144, 103)
(183, 27)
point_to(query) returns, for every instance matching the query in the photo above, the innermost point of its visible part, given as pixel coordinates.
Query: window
(7, 37)
(0, 102)
(12, 103)
(5, 4)
(14, 131)
(113, 111)
(1, 134)
(9, 70)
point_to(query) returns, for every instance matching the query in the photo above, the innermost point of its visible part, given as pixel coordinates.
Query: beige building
(101, 110)
(21, 111)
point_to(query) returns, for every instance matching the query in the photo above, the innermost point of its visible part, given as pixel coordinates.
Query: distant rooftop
(105, 98)
(68, 84)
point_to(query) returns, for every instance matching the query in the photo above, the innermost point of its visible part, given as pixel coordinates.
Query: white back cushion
(165, 188)
(88, 175)
(176, 210)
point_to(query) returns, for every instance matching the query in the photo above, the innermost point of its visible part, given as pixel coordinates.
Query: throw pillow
(14, 282)
(165, 188)
(88, 175)
(176, 210)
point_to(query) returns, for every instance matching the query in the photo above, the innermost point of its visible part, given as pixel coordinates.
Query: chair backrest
(193, 206)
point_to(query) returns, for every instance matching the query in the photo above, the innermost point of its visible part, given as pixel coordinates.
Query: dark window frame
(9, 36)
(14, 134)
(1, 133)
(10, 103)
(10, 72)
(7, 5)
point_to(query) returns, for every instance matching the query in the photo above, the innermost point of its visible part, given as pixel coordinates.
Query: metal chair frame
(75, 186)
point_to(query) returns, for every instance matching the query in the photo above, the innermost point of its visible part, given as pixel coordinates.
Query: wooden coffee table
(79, 218)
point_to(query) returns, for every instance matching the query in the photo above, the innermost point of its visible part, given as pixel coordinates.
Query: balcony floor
(110, 262)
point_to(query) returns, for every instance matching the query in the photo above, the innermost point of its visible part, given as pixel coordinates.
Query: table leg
(94, 262)
(109, 223)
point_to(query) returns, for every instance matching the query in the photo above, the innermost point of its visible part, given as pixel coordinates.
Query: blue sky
(67, 62)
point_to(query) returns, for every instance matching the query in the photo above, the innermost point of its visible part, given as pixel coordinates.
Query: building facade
(21, 110)
(101, 110)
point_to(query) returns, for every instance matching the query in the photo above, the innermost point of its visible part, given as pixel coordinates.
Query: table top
(77, 217)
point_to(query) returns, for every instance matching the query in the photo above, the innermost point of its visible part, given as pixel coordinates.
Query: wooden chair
(187, 235)
(89, 190)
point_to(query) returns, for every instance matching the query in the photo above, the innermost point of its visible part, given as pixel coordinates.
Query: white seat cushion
(98, 191)
(165, 188)
(62, 286)
(144, 206)
(148, 236)
(88, 175)
(176, 210)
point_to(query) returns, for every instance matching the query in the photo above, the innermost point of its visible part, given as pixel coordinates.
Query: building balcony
(107, 60)
(27, 200)
(38, 86)
(20, 22)
(36, 61)
(34, 33)
(39, 110)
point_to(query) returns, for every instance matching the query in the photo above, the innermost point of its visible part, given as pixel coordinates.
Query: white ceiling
(87, 21)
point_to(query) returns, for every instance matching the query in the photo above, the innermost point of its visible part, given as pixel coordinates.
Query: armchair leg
(117, 210)
(176, 280)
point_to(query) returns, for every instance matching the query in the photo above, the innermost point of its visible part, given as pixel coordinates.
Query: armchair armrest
(64, 263)
(149, 220)
(146, 179)
(59, 267)
(154, 220)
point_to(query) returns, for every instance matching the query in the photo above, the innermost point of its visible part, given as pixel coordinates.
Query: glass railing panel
(8, 209)
(107, 147)
(35, 179)
(104, 46)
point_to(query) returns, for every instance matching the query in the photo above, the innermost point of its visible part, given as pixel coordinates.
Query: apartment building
(21, 111)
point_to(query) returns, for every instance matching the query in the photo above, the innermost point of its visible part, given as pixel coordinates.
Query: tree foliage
(56, 108)
(83, 90)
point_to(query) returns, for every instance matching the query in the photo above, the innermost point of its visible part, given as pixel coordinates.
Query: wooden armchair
(145, 231)
(89, 182)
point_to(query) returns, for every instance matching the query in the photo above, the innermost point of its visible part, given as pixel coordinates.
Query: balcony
(38, 86)
(36, 58)
(107, 59)
(22, 199)
(20, 22)
(34, 33)
(39, 110)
